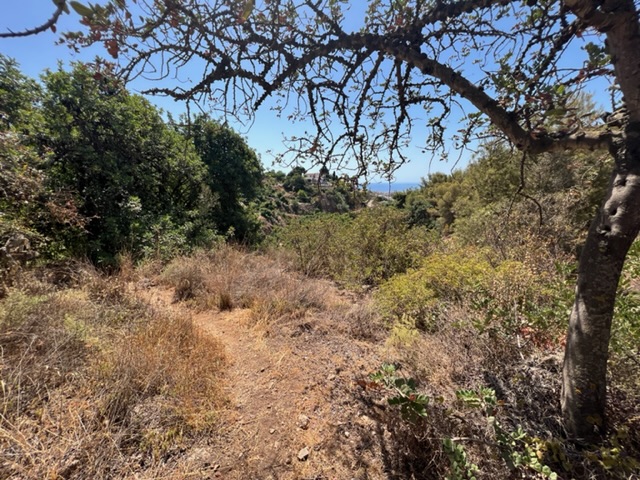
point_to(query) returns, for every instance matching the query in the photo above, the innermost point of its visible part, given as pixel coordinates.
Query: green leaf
(81, 9)
(556, 112)
(248, 8)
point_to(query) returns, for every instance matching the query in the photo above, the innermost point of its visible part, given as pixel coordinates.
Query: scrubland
(224, 324)
(460, 378)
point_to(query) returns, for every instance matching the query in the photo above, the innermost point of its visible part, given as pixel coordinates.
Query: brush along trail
(295, 408)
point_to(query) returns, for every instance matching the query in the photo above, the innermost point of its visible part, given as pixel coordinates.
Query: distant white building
(315, 177)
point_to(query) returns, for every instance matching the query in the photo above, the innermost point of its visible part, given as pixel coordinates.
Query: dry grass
(462, 352)
(455, 358)
(229, 278)
(97, 385)
(527, 383)
(359, 320)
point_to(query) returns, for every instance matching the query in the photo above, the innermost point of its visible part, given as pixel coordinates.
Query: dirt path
(294, 411)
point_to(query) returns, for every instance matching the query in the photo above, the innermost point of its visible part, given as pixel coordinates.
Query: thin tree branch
(45, 26)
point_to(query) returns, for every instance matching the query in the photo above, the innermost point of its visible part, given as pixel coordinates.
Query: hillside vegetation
(171, 310)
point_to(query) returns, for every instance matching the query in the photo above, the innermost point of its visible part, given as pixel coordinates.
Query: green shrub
(362, 249)
(312, 242)
(302, 196)
(508, 295)
(625, 332)
(380, 244)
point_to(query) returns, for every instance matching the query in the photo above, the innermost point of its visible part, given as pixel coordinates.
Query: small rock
(347, 434)
(272, 431)
(303, 421)
(331, 378)
(303, 454)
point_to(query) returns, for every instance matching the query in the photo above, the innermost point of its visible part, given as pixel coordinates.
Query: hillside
(287, 357)
(229, 364)
(290, 385)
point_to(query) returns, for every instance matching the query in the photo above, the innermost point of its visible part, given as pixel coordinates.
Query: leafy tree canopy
(234, 173)
(18, 95)
(113, 150)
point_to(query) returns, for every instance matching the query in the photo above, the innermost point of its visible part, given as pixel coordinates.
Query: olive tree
(369, 81)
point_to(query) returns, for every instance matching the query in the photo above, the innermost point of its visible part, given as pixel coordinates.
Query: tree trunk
(610, 236)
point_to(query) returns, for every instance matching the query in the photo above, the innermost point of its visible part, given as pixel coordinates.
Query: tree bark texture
(611, 234)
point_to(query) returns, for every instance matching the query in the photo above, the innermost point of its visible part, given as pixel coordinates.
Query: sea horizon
(385, 187)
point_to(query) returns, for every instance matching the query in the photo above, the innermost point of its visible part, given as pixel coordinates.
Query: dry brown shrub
(108, 289)
(166, 357)
(42, 344)
(127, 271)
(285, 297)
(188, 276)
(449, 358)
(149, 268)
(457, 356)
(68, 273)
(357, 319)
(229, 277)
(96, 385)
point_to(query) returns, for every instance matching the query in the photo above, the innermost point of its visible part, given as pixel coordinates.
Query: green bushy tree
(19, 97)
(28, 205)
(295, 181)
(234, 175)
(114, 153)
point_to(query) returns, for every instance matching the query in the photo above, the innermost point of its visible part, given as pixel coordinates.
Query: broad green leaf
(81, 9)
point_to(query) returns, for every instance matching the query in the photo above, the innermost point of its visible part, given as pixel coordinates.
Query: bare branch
(375, 83)
(45, 26)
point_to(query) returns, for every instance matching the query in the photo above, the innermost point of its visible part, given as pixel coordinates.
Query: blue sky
(37, 53)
